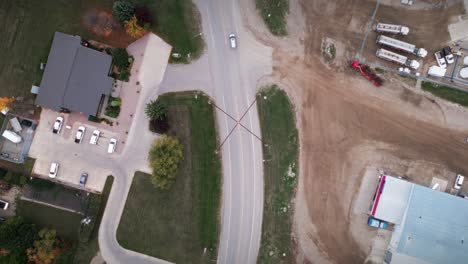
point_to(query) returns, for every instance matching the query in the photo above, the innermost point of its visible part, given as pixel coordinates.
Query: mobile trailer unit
(401, 45)
(395, 57)
(392, 29)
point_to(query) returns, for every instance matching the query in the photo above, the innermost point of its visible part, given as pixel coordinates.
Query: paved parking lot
(73, 158)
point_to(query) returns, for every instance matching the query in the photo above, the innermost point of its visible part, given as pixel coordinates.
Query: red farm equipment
(367, 72)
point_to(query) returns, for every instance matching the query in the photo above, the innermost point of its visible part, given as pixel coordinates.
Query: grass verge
(86, 251)
(178, 22)
(274, 14)
(65, 222)
(179, 224)
(280, 151)
(446, 93)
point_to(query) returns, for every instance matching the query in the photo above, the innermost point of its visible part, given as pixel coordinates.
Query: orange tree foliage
(5, 101)
(45, 249)
(133, 29)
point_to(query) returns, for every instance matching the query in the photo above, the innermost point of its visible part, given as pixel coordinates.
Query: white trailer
(437, 71)
(401, 45)
(391, 28)
(395, 57)
(15, 124)
(12, 136)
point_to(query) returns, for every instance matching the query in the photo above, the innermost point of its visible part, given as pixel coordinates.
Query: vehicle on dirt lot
(57, 125)
(53, 169)
(391, 28)
(459, 181)
(447, 52)
(112, 145)
(232, 41)
(367, 72)
(80, 134)
(401, 45)
(83, 179)
(395, 57)
(440, 60)
(3, 205)
(95, 137)
(377, 223)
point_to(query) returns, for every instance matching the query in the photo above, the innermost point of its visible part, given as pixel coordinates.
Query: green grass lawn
(280, 151)
(27, 28)
(66, 223)
(86, 251)
(178, 22)
(178, 224)
(274, 14)
(446, 93)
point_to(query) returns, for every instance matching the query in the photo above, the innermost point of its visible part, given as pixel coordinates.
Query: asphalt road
(230, 77)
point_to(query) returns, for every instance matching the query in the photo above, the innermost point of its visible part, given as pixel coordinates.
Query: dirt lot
(346, 125)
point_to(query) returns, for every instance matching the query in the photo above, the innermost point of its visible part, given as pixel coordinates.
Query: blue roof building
(434, 229)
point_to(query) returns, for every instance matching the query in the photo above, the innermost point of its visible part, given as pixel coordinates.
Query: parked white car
(80, 134)
(95, 137)
(459, 181)
(57, 125)
(440, 60)
(112, 145)
(53, 170)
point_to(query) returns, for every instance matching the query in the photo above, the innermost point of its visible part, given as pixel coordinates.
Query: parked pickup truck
(377, 223)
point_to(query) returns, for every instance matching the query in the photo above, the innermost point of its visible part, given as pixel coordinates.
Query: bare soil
(99, 22)
(346, 124)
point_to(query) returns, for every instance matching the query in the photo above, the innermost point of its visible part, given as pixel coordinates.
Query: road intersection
(229, 77)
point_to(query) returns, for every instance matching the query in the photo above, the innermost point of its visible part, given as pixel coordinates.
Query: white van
(232, 41)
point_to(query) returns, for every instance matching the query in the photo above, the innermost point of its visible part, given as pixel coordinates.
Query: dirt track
(339, 112)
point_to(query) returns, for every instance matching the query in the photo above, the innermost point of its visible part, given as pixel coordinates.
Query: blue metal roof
(435, 227)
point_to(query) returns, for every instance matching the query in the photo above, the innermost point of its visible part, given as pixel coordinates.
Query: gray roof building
(75, 78)
(432, 225)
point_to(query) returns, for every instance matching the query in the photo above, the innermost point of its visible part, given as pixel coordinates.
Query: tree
(156, 110)
(165, 156)
(45, 249)
(133, 29)
(123, 10)
(5, 101)
(16, 235)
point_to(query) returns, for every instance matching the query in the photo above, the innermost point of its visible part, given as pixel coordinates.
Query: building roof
(75, 76)
(391, 199)
(435, 227)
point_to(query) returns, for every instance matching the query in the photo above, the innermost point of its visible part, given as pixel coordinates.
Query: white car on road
(95, 137)
(80, 134)
(57, 125)
(53, 169)
(232, 41)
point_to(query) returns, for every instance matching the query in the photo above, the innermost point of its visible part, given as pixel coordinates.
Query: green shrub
(121, 58)
(123, 10)
(156, 110)
(94, 119)
(164, 156)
